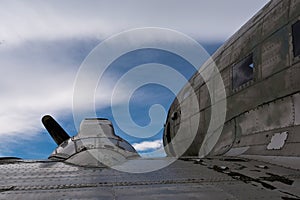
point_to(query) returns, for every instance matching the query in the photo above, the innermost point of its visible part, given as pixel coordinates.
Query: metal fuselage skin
(260, 68)
(263, 99)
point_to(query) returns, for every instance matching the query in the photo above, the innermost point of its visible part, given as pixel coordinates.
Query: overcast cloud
(205, 20)
(42, 44)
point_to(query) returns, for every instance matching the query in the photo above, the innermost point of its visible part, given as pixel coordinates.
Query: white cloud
(205, 20)
(36, 78)
(148, 145)
(42, 44)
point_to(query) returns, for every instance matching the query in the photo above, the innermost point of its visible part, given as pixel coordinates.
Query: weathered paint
(264, 106)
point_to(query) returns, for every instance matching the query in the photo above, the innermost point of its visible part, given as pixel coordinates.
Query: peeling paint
(277, 141)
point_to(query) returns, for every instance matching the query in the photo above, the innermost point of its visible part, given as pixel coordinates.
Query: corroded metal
(214, 178)
(256, 157)
(262, 106)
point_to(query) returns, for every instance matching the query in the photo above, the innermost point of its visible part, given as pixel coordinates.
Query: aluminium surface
(192, 178)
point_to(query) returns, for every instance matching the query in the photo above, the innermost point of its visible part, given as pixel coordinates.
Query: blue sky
(43, 43)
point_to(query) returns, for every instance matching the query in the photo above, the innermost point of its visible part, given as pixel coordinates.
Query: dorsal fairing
(95, 145)
(96, 127)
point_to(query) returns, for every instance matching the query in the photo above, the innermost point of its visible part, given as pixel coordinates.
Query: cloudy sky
(43, 43)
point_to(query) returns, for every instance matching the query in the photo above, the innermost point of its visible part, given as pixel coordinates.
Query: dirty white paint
(277, 141)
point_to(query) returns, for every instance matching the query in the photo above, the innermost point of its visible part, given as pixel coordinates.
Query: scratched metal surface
(261, 108)
(217, 178)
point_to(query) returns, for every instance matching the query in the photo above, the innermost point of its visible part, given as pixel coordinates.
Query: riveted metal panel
(294, 9)
(287, 150)
(219, 51)
(246, 123)
(236, 53)
(243, 101)
(201, 132)
(271, 116)
(264, 138)
(295, 74)
(173, 129)
(195, 120)
(219, 92)
(204, 97)
(226, 139)
(179, 119)
(252, 38)
(225, 59)
(184, 103)
(296, 99)
(294, 136)
(275, 55)
(194, 104)
(251, 25)
(252, 192)
(180, 140)
(276, 86)
(185, 110)
(254, 139)
(226, 77)
(184, 93)
(272, 4)
(78, 193)
(207, 117)
(276, 18)
(197, 81)
(174, 192)
(198, 97)
(246, 43)
(229, 43)
(278, 114)
(193, 179)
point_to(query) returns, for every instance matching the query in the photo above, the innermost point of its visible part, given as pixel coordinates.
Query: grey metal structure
(96, 145)
(261, 72)
(218, 178)
(256, 156)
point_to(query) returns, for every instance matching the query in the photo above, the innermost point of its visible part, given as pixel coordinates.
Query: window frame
(237, 69)
(296, 54)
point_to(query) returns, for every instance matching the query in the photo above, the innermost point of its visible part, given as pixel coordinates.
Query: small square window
(243, 72)
(296, 38)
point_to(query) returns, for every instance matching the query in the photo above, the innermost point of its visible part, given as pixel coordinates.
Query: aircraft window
(243, 72)
(296, 38)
